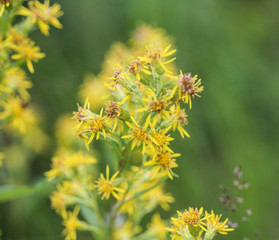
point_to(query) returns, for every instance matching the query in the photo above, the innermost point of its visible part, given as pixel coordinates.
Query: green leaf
(9, 193)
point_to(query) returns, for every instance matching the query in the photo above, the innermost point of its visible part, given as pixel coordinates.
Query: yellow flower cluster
(18, 118)
(145, 103)
(142, 100)
(192, 223)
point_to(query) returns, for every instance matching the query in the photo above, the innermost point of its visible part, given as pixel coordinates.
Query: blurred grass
(232, 45)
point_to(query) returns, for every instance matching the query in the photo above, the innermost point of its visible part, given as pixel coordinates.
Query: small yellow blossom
(215, 226)
(162, 139)
(140, 136)
(17, 114)
(139, 68)
(113, 112)
(72, 224)
(159, 58)
(15, 81)
(64, 162)
(164, 162)
(28, 52)
(106, 186)
(43, 14)
(189, 88)
(179, 120)
(157, 227)
(193, 217)
(156, 105)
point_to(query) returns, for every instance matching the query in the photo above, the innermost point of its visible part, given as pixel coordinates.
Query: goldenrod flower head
(97, 125)
(157, 227)
(15, 36)
(15, 81)
(43, 14)
(189, 88)
(159, 57)
(139, 135)
(17, 113)
(59, 202)
(156, 105)
(63, 163)
(157, 195)
(139, 68)
(193, 217)
(83, 112)
(72, 224)
(215, 226)
(112, 109)
(106, 186)
(162, 139)
(28, 52)
(179, 120)
(164, 162)
(114, 112)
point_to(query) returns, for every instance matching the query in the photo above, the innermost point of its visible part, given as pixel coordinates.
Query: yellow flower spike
(106, 186)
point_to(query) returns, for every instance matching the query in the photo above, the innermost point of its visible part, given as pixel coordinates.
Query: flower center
(140, 134)
(112, 110)
(164, 159)
(97, 124)
(157, 106)
(187, 85)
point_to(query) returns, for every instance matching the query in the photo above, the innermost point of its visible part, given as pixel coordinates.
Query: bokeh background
(232, 45)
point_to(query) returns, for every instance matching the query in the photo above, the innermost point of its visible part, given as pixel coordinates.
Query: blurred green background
(232, 45)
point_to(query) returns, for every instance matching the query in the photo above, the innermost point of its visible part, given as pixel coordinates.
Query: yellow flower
(157, 227)
(179, 120)
(156, 105)
(140, 135)
(193, 217)
(215, 226)
(63, 163)
(139, 68)
(158, 57)
(72, 224)
(106, 186)
(162, 139)
(113, 111)
(187, 224)
(42, 14)
(17, 114)
(164, 162)
(28, 52)
(14, 80)
(97, 125)
(89, 123)
(189, 88)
